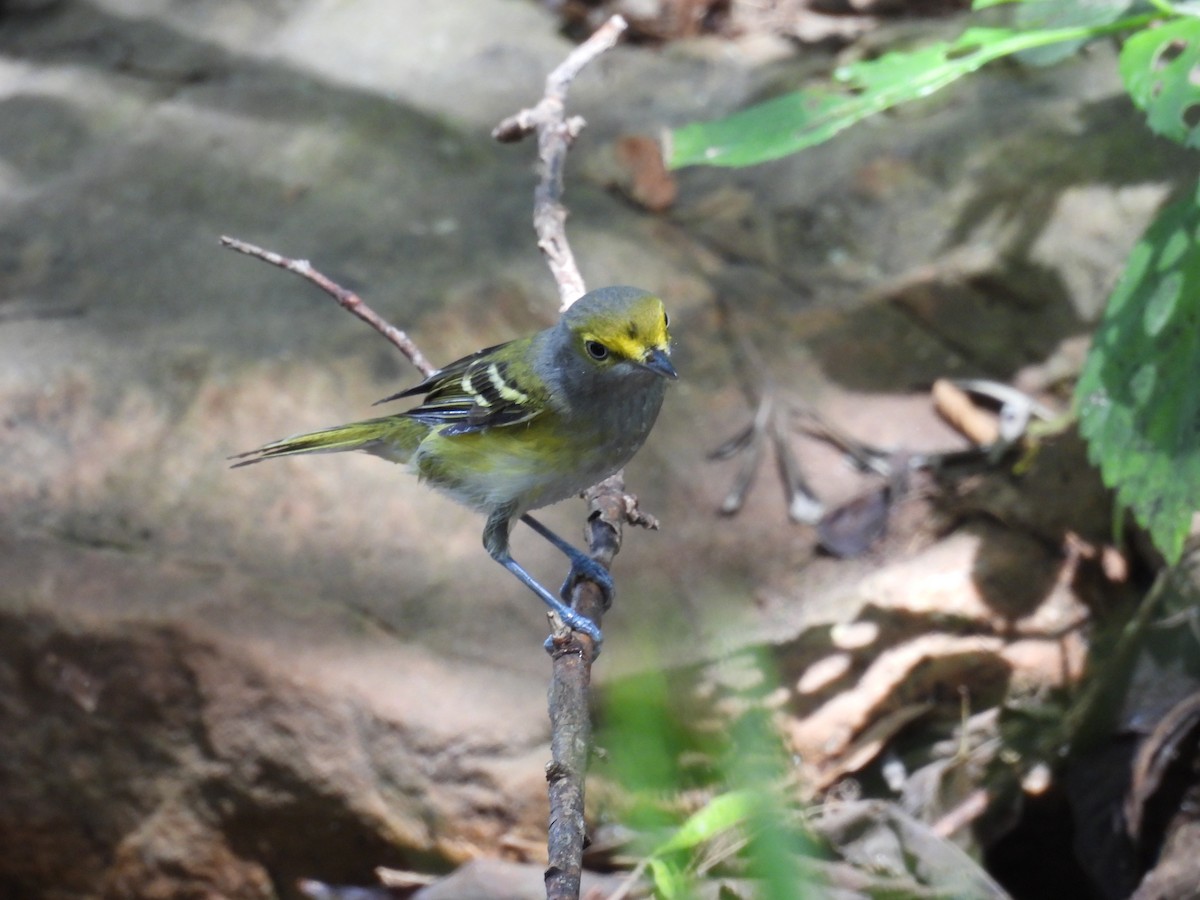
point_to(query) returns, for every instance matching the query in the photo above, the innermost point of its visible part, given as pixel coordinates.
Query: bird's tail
(392, 437)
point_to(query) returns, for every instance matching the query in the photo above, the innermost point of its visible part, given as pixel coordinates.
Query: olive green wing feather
(480, 391)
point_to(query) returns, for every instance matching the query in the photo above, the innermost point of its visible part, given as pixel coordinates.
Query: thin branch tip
(515, 128)
(344, 297)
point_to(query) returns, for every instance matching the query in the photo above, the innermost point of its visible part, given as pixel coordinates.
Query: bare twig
(347, 299)
(610, 507)
(555, 133)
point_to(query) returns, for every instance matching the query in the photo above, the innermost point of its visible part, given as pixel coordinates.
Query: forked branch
(609, 507)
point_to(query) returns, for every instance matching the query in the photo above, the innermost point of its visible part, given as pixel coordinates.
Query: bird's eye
(666, 320)
(596, 350)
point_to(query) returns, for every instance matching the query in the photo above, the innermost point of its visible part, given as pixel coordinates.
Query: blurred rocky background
(216, 682)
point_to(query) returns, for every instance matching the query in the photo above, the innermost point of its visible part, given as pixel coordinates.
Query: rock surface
(216, 682)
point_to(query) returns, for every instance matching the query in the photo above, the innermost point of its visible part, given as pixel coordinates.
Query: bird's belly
(521, 467)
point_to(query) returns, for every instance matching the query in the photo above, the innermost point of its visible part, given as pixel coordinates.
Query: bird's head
(616, 326)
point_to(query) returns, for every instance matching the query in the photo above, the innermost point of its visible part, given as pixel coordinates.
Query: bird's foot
(584, 568)
(581, 623)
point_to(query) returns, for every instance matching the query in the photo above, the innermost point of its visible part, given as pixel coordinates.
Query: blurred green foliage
(661, 747)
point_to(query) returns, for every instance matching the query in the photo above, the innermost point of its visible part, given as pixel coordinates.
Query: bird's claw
(581, 623)
(584, 568)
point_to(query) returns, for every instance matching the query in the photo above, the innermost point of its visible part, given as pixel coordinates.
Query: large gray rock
(219, 681)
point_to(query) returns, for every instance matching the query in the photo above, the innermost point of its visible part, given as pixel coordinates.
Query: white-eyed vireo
(525, 424)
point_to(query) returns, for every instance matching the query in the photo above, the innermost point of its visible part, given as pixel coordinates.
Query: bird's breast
(550, 458)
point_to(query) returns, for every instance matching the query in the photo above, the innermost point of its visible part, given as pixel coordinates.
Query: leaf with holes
(1138, 401)
(1161, 70)
(1045, 14)
(805, 118)
(802, 119)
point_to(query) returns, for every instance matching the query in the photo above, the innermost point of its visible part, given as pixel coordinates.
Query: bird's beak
(658, 363)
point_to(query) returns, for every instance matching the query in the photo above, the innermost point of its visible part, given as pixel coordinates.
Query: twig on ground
(347, 299)
(610, 507)
(770, 426)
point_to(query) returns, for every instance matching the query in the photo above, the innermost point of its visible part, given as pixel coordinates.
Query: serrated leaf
(720, 814)
(805, 118)
(1138, 396)
(1160, 67)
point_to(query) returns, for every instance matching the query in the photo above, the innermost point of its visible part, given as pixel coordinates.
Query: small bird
(524, 424)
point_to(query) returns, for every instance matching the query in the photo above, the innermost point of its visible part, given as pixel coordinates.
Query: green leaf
(804, 118)
(1138, 396)
(669, 880)
(794, 121)
(1044, 14)
(1159, 66)
(720, 814)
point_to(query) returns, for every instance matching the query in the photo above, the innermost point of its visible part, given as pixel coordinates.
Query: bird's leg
(583, 567)
(495, 541)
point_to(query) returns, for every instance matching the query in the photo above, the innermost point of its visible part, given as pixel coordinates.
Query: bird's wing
(476, 392)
